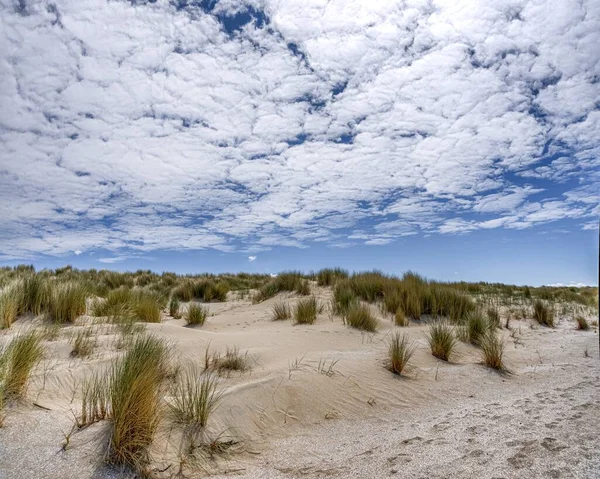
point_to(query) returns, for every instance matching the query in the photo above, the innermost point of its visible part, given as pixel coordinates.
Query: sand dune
(317, 402)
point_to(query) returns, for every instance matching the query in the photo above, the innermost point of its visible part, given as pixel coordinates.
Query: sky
(459, 139)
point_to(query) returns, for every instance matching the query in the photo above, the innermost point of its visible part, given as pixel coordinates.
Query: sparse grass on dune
(281, 311)
(441, 340)
(582, 323)
(494, 318)
(492, 351)
(232, 360)
(95, 400)
(303, 288)
(203, 289)
(67, 302)
(543, 314)
(19, 358)
(359, 316)
(196, 315)
(400, 350)
(135, 394)
(83, 343)
(306, 310)
(286, 281)
(195, 396)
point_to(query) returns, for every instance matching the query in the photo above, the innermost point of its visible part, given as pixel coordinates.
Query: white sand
(443, 420)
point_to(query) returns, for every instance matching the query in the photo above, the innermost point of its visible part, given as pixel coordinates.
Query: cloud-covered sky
(131, 127)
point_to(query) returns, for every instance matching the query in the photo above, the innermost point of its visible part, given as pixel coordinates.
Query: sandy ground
(319, 403)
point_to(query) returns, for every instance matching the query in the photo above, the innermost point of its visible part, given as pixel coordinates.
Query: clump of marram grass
(95, 401)
(492, 350)
(329, 276)
(174, 308)
(83, 343)
(494, 318)
(195, 396)
(9, 309)
(543, 314)
(125, 303)
(343, 298)
(441, 340)
(281, 311)
(303, 288)
(135, 392)
(196, 315)
(232, 360)
(18, 360)
(400, 350)
(67, 302)
(582, 323)
(400, 318)
(306, 310)
(359, 316)
(475, 328)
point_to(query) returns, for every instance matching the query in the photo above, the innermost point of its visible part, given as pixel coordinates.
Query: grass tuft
(475, 329)
(400, 350)
(232, 360)
(281, 311)
(18, 360)
(67, 302)
(492, 350)
(306, 310)
(582, 323)
(359, 316)
(400, 318)
(174, 308)
(135, 392)
(543, 314)
(195, 396)
(196, 315)
(441, 340)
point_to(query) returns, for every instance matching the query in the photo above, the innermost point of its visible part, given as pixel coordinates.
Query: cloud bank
(137, 126)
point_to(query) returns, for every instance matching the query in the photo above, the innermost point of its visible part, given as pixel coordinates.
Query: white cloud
(153, 128)
(77, 252)
(251, 258)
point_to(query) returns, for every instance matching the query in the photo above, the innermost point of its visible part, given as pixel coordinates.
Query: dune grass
(359, 316)
(19, 358)
(543, 314)
(493, 316)
(329, 276)
(400, 350)
(196, 314)
(135, 391)
(582, 323)
(343, 298)
(95, 400)
(195, 396)
(83, 343)
(67, 302)
(492, 351)
(285, 281)
(9, 309)
(475, 328)
(400, 318)
(281, 311)
(134, 304)
(303, 288)
(306, 310)
(232, 360)
(441, 340)
(203, 289)
(174, 308)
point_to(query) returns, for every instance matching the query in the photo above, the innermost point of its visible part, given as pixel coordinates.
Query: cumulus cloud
(252, 258)
(187, 125)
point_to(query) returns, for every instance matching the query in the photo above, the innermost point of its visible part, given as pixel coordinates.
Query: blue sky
(460, 140)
